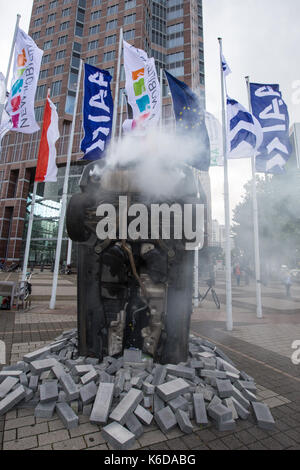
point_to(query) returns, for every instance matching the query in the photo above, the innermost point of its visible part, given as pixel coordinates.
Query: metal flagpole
(196, 254)
(69, 254)
(64, 197)
(10, 61)
(114, 123)
(29, 231)
(229, 323)
(161, 98)
(121, 116)
(255, 224)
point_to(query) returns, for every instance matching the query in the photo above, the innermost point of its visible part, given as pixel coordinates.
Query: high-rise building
(171, 31)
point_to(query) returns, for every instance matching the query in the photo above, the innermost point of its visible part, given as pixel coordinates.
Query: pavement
(261, 347)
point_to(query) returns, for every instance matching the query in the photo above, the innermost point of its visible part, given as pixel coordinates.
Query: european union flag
(190, 119)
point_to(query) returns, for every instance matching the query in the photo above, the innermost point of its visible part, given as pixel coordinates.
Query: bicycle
(210, 283)
(25, 290)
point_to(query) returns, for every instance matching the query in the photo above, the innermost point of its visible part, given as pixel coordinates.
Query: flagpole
(196, 254)
(161, 97)
(10, 61)
(255, 223)
(115, 114)
(121, 116)
(29, 231)
(64, 196)
(229, 322)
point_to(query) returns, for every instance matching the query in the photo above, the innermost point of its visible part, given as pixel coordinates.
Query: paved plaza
(261, 347)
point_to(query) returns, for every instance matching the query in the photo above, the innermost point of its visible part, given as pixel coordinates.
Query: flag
(190, 118)
(272, 113)
(27, 65)
(225, 67)
(244, 134)
(2, 89)
(142, 87)
(97, 112)
(215, 135)
(46, 169)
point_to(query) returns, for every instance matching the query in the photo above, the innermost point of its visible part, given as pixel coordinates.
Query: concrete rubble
(125, 394)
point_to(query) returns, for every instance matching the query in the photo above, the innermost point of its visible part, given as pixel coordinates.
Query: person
(287, 282)
(237, 273)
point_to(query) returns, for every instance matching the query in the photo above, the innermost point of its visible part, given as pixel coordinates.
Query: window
(175, 63)
(73, 78)
(39, 113)
(130, 4)
(50, 31)
(46, 59)
(175, 35)
(92, 60)
(47, 45)
(110, 40)
(64, 25)
(93, 45)
(60, 54)
(129, 34)
(43, 74)
(58, 69)
(112, 10)
(111, 71)
(53, 5)
(77, 46)
(95, 15)
(37, 22)
(177, 57)
(36, 35)
(39, 9)
(70, 102)
(80, 15)
(175, 28)
(41, 92)
(111, 25)
(62, 40)
(79, 30)
(56, 88)
(94, 29)
(66, 12)
(109, 56)
(129, 19)
(66, 2)
(51, 17)
(95, 3)
(75, 60)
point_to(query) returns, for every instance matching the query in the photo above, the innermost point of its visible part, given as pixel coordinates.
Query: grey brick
(52, 437)
(38, 354)
(87, 410)
(83, 369)
(228, 402)
(21, 444)
(134, 425)
(58, 370)
(199, 408)
(126, 406)
(89, 377)
(263, 416)
(137, 382)
(148, 401)
(11, 399)
(241, 411)
(115, 366)
(158, 403)
(69, 386)
(179, 403)
(33, 382)
(245, 384)
(219, 413)
(7, 385)
(88, 392)
(23, 380)
(144, 415)
(118, 436)
(184, 422)
(67, 415)
(181, 371)
(91, 360)
(45, 410)
(165, 418)
(216, 374)
(9, 373)
(42, 365)
(159, 375)
(102, 403)
(240, 398)
(229, 425)
(249, 395)
(173, 389)
(49, 391)
(119, 383)
(224, 387)
(106, 378)
(215, 401)
(132, 356)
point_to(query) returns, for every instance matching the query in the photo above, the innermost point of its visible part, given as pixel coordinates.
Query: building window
(60, 54)
(79, 30)
(58, 69)
(91, 60)
(95, 3)
(56, 88)
(64, 25)
(112, 10)
(175, 28)
(130, 4)
(175, 35)
(111, 25)
(62, 40)
(93, 45)
(70, 102)
(111, 71)
(53, 5)
(129, 34)
(39, 111)
(47, 45)
(41, 92)
(80, 15)
(46, 59)
(66, 12)
(94, 29)
(129, 19)
(75, 62)
(51, 17)
(43, 74)
(73, 78)
(66, 2)
(37, 22)
(107, 56)
(95, 15)
(77, 46)
(39, 9)
(109, 40)
(50, 31)
(36, 35)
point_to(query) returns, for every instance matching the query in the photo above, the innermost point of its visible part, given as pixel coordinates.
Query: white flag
(2, 89)
(142, 86)
(225, 66)
(27, 65)
(214, 130)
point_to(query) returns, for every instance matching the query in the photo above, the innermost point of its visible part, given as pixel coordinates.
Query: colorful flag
(46, 169)
(27, 65)
(271, 111)
(2, 89)
(97, 112)
(142, 87)
(190, 119)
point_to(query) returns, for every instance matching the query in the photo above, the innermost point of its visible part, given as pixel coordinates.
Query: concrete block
(102, 403)
(221, 354)
(165, 419)
(87, 410)
(69, 386)
(134, 426)
(143, 415)
(219, 413)
(226, 366)
(148, 401)
(126, 406)
(23, 380)
(9, 373)
(12, 399)
(88, 392)
(106, 378)
(67, 415)
(118, 436)
(240, 398)
(199, 408)
(184, 422)
(45, 410)
(33, 382)
(241, 411)
(216, 374)
(38, 354)
(209, 363)
(132, 356)
(115, 366)
(89, 377)
(127, 387)
(224, 388)
(232, 377)
(229, 425)
(228, 402)
(179, 403)
(148, 388)
(215, 401)
(91, 360)
(7, 385)
(49, 392)
(244, 384)
(62, 397)
(247, 377)
(249, 395)
(191, 411)
(173, 389)
(58, 370)
(119, 383)
(181, 371)
(159, 375)
(136, 382)
(41, 365)
(83, 369)
(263, 416)
(158, 403)
(208, 394)
(196, 364)
(149, 379)
(205, 354)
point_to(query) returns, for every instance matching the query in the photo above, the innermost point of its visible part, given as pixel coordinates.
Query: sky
(260, 39)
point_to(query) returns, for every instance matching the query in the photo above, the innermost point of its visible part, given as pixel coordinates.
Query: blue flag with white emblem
(190, 118)
(97, 112)
(272, 113)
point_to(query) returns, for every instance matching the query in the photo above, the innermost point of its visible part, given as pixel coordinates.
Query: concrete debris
(123, 394)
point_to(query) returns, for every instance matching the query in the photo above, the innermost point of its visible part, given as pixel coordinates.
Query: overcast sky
(260, 39)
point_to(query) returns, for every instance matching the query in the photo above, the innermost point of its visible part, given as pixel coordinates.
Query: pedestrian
(237, 273)
(287, 282)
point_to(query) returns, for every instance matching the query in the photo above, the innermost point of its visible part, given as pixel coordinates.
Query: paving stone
(33, 382)
(241, 411)
(249, 395)
(199, 409)
(19, 422)
(69, 386)
(137, 382)
(76, 443)
(66, 415)
(90, 376)
(224, 388)
(94, 439)
(9, 373)
(88, 392)
(10, 435)
(87, 410)
(42, 365)
(45, 410)
(216, 374)
(118, 436)
(240, 398)
(7, 385)
(165, 418)
(181, 371)
(102, 404)
(32, 356)
(183, 421)
(228, 402)
(33, 430)
(134, 425)
(219, 413)
(148, 401)
(158, 403)
(52, 437)
(126, 406)
(229, 425)
(21, 444)
(132, 356)
(106, 378)
(179, 403)
(119, 383)
(83, 369)
(263, 416)
(245, 384)
(48, 392)
(11, 399)
(173, 389)
(144, 415)
(159, 375)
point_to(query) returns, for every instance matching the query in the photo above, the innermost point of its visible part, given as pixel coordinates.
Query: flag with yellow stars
(190, 119)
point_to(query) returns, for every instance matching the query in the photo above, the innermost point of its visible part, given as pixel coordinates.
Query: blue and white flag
(272, 113)
(225, 66)
(244, 134)
(97, 112)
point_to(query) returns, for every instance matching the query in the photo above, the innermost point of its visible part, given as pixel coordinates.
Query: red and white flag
(46, 169)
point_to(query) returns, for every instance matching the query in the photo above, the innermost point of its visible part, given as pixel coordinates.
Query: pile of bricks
(126, 393)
